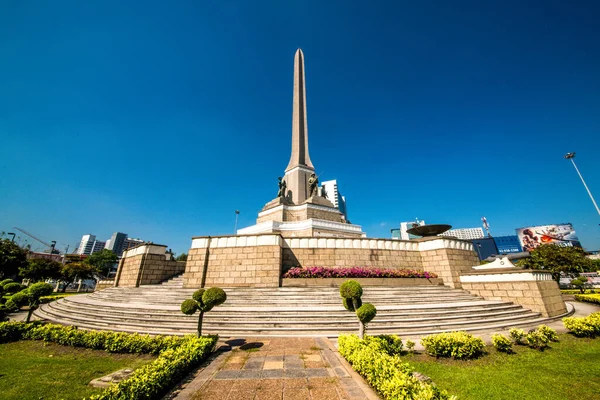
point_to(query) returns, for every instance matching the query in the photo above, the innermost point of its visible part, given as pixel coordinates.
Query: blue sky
(160, 119)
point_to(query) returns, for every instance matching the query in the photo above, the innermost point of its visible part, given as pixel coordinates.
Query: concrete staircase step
(155, 309)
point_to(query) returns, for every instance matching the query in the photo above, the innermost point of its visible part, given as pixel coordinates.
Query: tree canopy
(12, 257)
(182, 257)
(39, 269)
(102, 260)
(557, 259)
(77, 270)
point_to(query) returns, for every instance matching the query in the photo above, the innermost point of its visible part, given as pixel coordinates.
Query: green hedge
(176, 355)
(584, 326)
(459, 345)
(588, 298)
(577, 291)
(386, 373)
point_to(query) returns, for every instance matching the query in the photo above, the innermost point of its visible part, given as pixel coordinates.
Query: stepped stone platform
(287, 311)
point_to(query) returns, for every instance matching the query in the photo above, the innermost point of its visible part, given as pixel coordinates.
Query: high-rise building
(116, 243)
(465, 233)
(86, 244)
(402, 234)
(98, 246)
(131, 242)
(90, 245)
(333, 195)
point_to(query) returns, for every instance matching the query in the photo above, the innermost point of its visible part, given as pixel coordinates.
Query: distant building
(465, 233)
(86, 245)
(333, 195)
(508, 244)
(131, 242)
(402, 234)
(98, 246)
(116, 243)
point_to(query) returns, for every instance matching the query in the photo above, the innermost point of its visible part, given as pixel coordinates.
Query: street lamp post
(478, 247)
(13, 236)
(571, 156)
(237, 213)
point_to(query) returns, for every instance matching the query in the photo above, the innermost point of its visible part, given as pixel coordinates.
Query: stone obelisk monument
(297, 210)
(300, 167)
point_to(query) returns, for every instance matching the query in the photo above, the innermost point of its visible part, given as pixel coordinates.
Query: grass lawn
(31, 370)
(570, 369)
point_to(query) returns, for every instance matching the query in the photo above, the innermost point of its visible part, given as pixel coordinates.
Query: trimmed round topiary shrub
(351, 293)
(13, 287)
(351, 290)
(366, 313)
(203, 301)
(213, 297)
(40, 289)
(198, 295)
(189, 307)
(349, 303)
(19, 299)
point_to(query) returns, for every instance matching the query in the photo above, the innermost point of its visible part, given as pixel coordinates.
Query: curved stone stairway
(406, 311)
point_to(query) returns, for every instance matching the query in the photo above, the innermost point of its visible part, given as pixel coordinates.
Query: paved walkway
(278, 369)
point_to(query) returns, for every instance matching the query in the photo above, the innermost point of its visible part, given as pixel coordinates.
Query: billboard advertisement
(559, 234)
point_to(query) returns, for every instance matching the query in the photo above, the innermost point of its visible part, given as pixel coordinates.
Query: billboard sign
(560, 235)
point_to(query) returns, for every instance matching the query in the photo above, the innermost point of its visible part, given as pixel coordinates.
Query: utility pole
(571, 156)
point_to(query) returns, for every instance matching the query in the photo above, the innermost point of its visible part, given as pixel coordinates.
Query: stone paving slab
(280, 369)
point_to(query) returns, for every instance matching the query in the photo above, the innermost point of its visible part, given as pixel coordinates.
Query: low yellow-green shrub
(588, 298)
(502, 343)
(459, 345)
(386, 373)
(584, 326)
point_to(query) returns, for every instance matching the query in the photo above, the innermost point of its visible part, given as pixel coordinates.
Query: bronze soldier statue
(313, 182)
(282, 187)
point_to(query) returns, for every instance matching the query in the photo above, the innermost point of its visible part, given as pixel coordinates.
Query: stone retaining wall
(536, 291)
(234, 261)
(146, 264)
(258, 260)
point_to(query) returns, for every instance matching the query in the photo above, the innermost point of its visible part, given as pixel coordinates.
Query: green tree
(351, 293)
(203, 301)
(182, 257)
(38, 269)
(12, 257)
(102, 260)
(579, 283)
(74, 271)
(557, 259)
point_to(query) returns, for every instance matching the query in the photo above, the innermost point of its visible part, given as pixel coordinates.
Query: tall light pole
(571, 156)
(237, 212)
(13, 236)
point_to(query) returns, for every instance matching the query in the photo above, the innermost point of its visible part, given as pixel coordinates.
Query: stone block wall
(448, 259)
(147, 264)
(234, 261)
(258, 260)
(533, 290)
(129, 271)
(338, 252)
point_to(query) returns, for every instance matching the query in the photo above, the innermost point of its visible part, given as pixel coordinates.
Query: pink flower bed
(355, 272)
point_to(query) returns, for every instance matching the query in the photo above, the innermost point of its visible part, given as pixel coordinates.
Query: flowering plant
(355, 272)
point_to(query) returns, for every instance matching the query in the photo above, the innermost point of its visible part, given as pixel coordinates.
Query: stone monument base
(260, 260)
